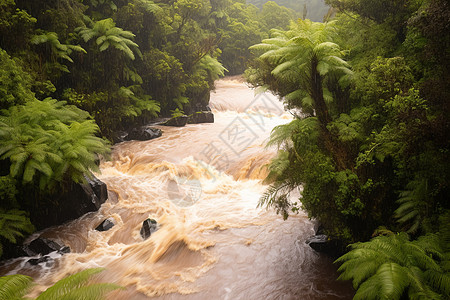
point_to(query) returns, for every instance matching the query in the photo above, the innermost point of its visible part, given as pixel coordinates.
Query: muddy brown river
(202, 183)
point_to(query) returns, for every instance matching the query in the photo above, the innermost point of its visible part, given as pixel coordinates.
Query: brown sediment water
(202, 183)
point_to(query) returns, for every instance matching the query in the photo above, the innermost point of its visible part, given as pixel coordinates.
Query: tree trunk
(331, 143)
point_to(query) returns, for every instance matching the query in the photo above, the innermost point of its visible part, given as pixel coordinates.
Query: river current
(202, 183)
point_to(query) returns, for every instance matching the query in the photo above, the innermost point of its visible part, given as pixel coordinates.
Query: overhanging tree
(305, 59)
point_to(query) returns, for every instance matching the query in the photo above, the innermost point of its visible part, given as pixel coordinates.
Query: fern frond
(68, 284)
(394, 266)
(14, 287)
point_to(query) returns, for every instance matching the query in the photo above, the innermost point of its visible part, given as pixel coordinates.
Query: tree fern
(388, 267)
(135, 102)
(108, 35)
(212, 66)
(13, 224)
(73, 287)
(412, 205)
(298, 54)
(277, 195)
(14, 287)
(58, 50)
(76, 287)
(284, 135)
(48, 141)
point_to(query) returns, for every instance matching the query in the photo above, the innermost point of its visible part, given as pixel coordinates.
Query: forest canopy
(73, 73)
(369, 145)
(369, 88)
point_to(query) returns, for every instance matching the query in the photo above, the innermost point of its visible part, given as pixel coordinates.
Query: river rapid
(202, 183)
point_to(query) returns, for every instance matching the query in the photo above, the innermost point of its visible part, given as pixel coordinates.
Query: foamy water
(202, 184)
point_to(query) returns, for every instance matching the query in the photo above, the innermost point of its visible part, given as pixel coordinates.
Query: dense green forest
(369, 144)
(315, 10)
(73, 73)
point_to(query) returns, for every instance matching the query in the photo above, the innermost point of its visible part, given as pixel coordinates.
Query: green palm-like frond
(76, 287)
(284, 134)
(73, 287)
(108, 35)
(13, 225)
(48, 140)
(301, 53)
(388, 267)
(277, 195)
(59, 50)
(412, 205)
(212, 66)
(14, 287)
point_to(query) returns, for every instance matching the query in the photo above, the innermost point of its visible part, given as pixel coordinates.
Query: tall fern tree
(392, 267)
(107, 35)
(13, 224)
(57, 49)
(303, 59)
(76, 286)
(299, 65)
(49, 141)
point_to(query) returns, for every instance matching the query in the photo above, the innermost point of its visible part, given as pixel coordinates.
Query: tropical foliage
(75, 286)
(368, 147)
(13, 225)
(75, 73)
(392, 267)
(48, 141)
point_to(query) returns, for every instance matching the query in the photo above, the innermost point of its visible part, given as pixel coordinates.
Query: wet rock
(323, 244)
(143, 134)
(201, 117)
(177, 121)
(49, 259)
(119, 136)
(148, 227)
(105, 225)
(77, 200)
(100, 190)
(41, 246)
(64, 250)
(36, 261)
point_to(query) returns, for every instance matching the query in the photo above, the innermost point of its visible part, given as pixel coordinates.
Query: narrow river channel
(202, 183)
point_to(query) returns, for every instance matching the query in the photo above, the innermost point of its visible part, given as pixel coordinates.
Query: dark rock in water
(100, 190)
(64, 250)
(148, 227)
(201, 117)
(177, 121)
(143, 134)
(41, 246)
(105, 225)
(36, 261)
(321, 243)
(49, 259)
(71, 204)
(119, 136)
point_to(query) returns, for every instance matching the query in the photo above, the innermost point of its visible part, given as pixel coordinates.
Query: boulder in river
(148, 227)
(49, 259)
(107, 224)
(41, 246)
(201, 117)
(323, 244)
(77, 200)
(40, 260)
(179, 121)
(143, 133)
